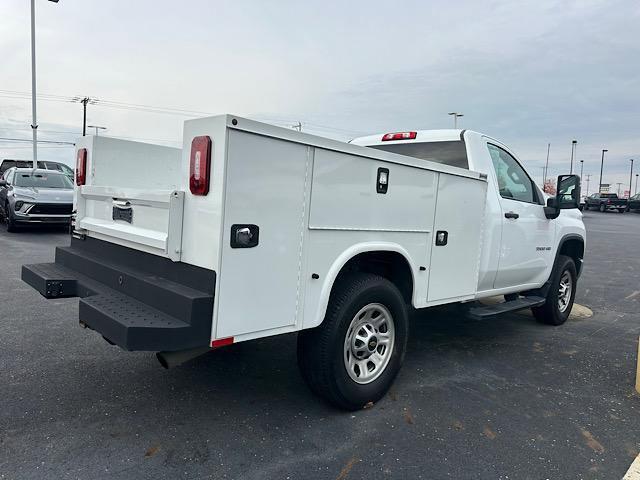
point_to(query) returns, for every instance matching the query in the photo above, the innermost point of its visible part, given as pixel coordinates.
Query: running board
(488, 311)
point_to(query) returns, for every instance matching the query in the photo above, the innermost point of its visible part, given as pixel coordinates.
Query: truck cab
(520, 239)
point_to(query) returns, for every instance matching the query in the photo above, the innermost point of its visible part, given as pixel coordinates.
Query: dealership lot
(505, 398)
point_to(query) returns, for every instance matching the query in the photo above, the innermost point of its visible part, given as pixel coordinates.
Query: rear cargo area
(132, 196)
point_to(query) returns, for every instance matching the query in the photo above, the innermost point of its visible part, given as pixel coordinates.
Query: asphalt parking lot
(499, 399)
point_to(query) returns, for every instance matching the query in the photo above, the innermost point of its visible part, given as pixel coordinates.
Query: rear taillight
(200, 165)
(81, 167)
(399, 136)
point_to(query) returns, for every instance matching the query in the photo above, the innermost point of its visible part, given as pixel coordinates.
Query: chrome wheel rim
(564, 291)
(369, 343)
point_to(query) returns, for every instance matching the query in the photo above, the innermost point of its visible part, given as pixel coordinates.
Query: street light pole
(573, 148)
(581, 167)
(97, 127)
(630, 177)
(588, 178)
(455, 118)
(636, 190)
(601, 167)
(546, 165)
(34, 121)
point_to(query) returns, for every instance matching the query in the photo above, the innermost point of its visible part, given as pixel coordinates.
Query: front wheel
(352, 358)
(622, 210)
(602, 208)
(561, 293)
(9, 221)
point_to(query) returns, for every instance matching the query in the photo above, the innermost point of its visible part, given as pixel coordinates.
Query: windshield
(452, 153)
(42, 180)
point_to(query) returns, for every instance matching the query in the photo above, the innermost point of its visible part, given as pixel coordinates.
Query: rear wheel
(352, 358)
(622, 210)
(562, 292)
(602, 208)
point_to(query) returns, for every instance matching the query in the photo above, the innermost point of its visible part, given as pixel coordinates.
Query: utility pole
(455, 115)
(588, 178)
(573, 149)
(84, 101)
(601, 167)
(546, 165)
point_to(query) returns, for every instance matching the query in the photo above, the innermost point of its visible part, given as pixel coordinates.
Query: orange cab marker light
(222, 342)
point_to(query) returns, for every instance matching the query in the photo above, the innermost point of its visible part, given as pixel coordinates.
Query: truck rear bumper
(136, 300)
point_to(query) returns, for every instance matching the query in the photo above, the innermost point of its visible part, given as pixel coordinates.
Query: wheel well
(573, 248)
(390, 265)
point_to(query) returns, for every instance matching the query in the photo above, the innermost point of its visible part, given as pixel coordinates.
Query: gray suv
(47, 165)
(35, 197)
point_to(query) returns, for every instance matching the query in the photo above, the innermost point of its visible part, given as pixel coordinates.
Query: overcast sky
(527, 73)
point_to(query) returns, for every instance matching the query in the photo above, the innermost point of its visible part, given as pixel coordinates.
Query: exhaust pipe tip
(178, 357)
(161, 358)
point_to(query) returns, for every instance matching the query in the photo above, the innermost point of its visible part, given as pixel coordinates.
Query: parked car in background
(634, 202)
(42, 197)
(606, 201)
(46, 165)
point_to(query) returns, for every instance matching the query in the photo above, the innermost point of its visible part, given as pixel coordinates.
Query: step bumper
(134, 308)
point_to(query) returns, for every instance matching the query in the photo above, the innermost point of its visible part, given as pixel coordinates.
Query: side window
(65, 169)
(513, 181)
(9, 177)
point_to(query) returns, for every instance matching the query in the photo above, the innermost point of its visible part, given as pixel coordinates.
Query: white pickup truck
(253, 230)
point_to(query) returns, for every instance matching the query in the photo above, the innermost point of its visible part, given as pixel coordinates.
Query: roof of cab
(447, 135)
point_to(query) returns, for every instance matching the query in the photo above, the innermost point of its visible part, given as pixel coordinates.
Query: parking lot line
(634, 470)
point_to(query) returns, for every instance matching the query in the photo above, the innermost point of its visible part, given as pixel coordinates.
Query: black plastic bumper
(136, 300)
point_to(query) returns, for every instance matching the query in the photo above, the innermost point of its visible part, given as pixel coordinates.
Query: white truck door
(527, 235)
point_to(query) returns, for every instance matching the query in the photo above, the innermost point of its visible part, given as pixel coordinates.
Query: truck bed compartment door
(457, 238)
(264, 208)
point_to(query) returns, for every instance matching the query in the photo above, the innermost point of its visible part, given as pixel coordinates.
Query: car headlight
(19, 204)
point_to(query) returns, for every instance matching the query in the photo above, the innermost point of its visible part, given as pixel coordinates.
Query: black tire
(603, 208)
(622, 210)
(321, 350)
(550, 313)
(10, 224)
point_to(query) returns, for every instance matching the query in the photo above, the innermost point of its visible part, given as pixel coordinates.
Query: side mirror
(568, 191)
(567, 196)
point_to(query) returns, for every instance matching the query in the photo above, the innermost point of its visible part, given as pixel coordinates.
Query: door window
(513, 181)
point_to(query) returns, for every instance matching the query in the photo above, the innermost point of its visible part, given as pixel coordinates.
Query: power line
(161, 110)
(10, 139)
